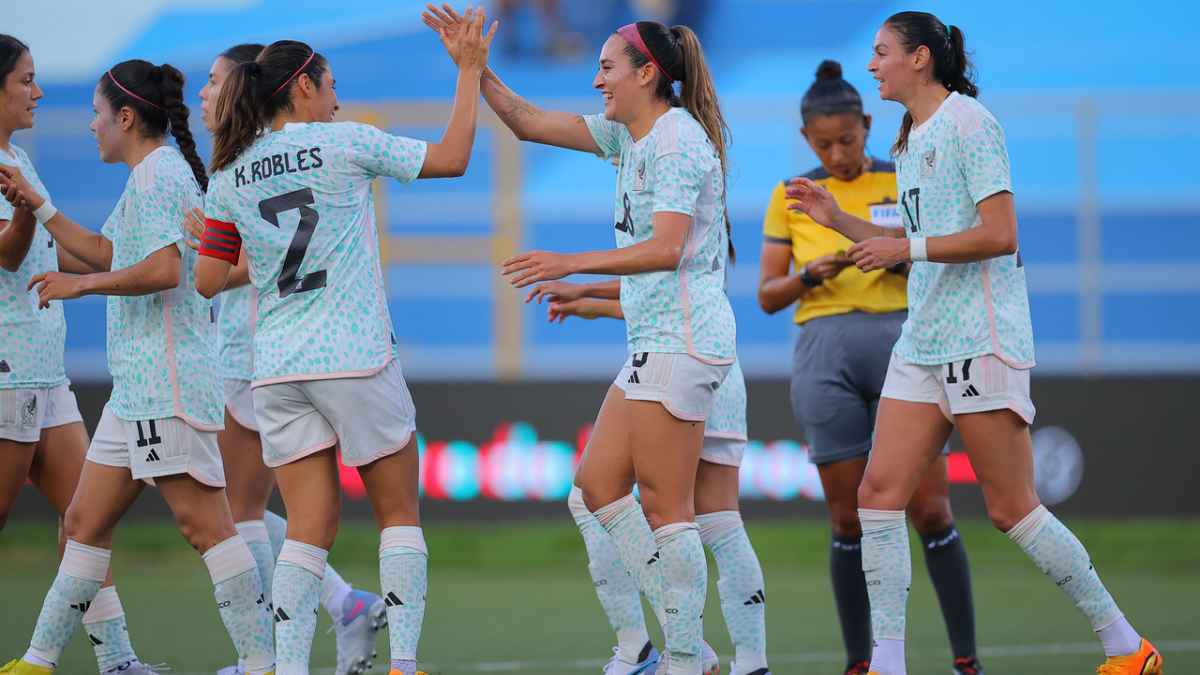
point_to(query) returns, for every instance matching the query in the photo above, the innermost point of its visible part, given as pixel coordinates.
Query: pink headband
(630, 32)
(122, 88)
(293, 75)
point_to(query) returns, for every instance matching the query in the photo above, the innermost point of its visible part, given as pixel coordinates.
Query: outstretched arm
(527, 121)
(158, 271)
(88, 246)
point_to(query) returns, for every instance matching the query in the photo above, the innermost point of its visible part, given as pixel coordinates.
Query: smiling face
(19, 95)
(898, 71)
(621, 84)
(324, 104)
(839, 141)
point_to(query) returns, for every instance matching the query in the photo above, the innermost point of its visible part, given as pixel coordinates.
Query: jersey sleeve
(379, 153)
(775, 223)
(983, 159)
(606, 133)
(159, 213)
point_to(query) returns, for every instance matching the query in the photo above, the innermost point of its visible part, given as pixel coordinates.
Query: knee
(201, 530)
(595, 497)
(931, 515)
(76, 526)
(871, 494)
(843, 520)
(1005, 518)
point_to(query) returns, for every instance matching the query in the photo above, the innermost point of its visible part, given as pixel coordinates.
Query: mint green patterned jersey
(955, 160)
(728, 416)
(673, 169)
(235, 333)
(301, 201)
(162, 346)
(31, 350)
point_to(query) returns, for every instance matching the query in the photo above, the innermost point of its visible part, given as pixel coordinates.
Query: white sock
(625, 521)
(258, 539)
(241, 602)
(615, 586)
(297, 585)
(403, 578)
(276, 531)
(740, 587)
(888, 657)
(80, 574)
(334, 590)
(104, 623)
(684, 571)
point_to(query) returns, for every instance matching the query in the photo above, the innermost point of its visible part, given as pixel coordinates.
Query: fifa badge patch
(929, 163)
(639, 177)
(885, 213)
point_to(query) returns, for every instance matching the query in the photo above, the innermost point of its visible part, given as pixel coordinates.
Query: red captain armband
(221, 241)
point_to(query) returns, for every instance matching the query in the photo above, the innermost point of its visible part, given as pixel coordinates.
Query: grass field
(516, 598)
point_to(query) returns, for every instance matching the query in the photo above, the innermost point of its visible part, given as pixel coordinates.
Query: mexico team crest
(929, 163)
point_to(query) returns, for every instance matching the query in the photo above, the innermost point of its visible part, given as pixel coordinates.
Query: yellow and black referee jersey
(871, 196)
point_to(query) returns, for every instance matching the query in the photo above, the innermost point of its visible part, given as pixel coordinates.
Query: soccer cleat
(647, 661)
(1145, 661)
(760, 671)
(858, 668)
(709, 663)
(967, 665)
(19, 667)
(397, 672)
(363, 615)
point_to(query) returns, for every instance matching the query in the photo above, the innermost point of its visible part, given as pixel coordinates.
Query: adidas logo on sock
(83, 606)
(654, 558)
(633, 379)
(392, 601)
(153, 456)
(281, 615)
(756, 599)
(261, 599)
(94, 640)
(970, 391)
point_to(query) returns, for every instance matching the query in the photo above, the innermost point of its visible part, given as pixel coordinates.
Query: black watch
(808, 279)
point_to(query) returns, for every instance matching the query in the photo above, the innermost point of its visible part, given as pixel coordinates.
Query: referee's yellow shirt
(871, 196)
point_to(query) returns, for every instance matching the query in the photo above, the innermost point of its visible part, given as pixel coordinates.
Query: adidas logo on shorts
(970, 391)
(152, 456)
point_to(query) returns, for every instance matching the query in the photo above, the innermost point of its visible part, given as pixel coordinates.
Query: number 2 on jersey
(301, 200)
(915, 194)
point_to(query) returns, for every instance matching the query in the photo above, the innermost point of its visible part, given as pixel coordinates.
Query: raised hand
(813, 200)
(462, 35)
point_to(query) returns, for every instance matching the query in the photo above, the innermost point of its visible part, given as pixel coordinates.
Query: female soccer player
(672, 235)
(356, 615)
(295, 190)
(849, 321)
(158, 426)
(740, 586)
(42, 435)
(965, 351)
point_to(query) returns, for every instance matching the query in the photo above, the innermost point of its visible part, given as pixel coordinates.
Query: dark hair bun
(829, 70)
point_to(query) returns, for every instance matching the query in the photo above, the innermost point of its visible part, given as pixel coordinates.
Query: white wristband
(45, 212)
(916, 249)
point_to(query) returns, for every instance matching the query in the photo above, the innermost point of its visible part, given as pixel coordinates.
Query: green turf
(520, 592)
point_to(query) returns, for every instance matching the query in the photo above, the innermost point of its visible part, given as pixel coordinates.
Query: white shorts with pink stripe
(980, 384)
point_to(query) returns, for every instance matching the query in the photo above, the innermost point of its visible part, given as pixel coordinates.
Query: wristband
(808, 279)
(916, 249)
(45, 212)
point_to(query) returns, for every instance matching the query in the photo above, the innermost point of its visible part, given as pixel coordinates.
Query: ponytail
(952, 66)
(177, 121)
(679, 56)
(155, 94)
(256, 91)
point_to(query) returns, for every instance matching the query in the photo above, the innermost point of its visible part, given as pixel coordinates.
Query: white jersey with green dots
(235, 333)
(728, 416)
(31, 350)
(674, 168)
(301, 201)
(162, 346)
(957, 311)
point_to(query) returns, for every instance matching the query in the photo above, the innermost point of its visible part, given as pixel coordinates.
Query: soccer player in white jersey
(671, 233)
(966, 349)
(43, 437)
(740, 586)
(357, 615)
(294, 189)
(160, 423)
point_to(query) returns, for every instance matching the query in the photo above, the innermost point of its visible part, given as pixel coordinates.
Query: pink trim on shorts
(991, 314)
(726, 435)
(301, 454)
(382, 453)
(308, 377)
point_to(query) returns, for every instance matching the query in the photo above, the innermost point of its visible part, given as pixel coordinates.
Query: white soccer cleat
(646, 663)
(134, 667)
(363, 615)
